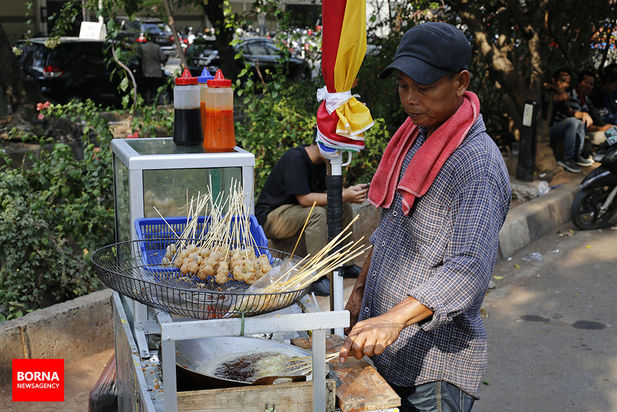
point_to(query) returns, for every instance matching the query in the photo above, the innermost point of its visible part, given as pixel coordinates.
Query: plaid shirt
(441, 254)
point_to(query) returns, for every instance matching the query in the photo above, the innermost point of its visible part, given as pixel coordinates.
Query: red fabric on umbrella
(333, 12)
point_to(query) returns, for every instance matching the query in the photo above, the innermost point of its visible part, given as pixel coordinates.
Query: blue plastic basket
(156, 228)
(165, 232)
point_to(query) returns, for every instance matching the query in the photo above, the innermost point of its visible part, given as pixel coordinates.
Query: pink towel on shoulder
(427, 161)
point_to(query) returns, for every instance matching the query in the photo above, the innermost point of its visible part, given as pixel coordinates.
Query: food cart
(161, 327)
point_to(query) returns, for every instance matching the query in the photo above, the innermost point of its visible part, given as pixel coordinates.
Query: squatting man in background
(296, 181)
(445, 193)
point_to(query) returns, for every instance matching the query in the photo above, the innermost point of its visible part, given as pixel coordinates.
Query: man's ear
(462, 82)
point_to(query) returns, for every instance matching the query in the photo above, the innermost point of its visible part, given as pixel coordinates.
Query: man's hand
(605, 127)
(371, 336)
(585, 117)
(355, 194)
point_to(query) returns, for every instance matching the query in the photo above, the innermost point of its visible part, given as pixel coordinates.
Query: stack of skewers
(224, 249)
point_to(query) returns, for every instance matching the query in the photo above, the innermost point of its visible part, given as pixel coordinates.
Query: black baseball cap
(429, 51)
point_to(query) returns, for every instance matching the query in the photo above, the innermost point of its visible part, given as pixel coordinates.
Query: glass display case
(153, 175)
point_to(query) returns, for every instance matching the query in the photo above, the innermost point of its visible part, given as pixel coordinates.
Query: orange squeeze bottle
(219, 133)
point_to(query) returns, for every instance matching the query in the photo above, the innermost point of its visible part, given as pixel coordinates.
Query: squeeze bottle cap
(219, 80)
(205, 76)
(186, 78)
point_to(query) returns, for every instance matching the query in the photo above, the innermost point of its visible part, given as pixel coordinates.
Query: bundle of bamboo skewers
(299, 276)
(224, 249)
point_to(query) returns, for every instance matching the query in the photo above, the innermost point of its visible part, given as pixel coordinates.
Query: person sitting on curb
(568, 124)
(296, 181)
(604, 95)
(582, 91)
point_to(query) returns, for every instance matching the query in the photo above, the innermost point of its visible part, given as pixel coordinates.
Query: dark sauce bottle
(187, 115)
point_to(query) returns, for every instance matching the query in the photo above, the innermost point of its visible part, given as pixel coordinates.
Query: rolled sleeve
(477, 218)
(431, 300)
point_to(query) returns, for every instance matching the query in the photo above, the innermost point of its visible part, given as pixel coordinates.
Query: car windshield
(88, 56)
(262, 48)
(156, 28)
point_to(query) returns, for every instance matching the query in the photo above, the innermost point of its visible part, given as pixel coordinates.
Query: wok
(197, 359)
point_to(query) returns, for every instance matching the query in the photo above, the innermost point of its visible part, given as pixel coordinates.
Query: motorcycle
(595, 204)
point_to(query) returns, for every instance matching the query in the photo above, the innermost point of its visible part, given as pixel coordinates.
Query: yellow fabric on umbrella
(354, 117)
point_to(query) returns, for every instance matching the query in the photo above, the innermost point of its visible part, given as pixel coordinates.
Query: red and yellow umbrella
(341, 118)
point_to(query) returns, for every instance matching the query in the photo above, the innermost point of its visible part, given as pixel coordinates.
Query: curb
(69, 330)
(536, 218)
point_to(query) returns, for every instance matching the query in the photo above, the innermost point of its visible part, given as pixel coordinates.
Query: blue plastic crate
(155, 227)
(167, 233)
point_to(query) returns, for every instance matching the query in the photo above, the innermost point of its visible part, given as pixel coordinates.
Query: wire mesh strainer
(134, 269)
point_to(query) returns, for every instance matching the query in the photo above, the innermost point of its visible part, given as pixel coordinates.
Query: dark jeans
(437, 396)
(571, 132)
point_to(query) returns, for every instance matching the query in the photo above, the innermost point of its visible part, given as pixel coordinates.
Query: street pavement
(552, 333)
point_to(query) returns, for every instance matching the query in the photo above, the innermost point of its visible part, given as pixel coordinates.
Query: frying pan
(197, 359)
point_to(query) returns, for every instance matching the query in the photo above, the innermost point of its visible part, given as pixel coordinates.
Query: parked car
(201, 53)
(134, 30)
(73, 68)
(261, 53)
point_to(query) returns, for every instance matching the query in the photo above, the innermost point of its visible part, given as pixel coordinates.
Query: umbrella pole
(334, 186)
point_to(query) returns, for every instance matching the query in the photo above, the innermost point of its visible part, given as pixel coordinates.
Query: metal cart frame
(133, 353)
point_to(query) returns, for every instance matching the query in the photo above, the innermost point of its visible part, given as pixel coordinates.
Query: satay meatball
(206, 270)
(223, 267)
(193, 267)
(221, 278)
(264, 265)
(184, 269)
(201, 274)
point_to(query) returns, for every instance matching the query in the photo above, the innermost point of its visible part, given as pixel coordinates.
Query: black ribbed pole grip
(334, 185)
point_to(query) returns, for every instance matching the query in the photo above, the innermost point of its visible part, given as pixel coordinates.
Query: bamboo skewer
(318, 262)
(303, 227)
(304, 365)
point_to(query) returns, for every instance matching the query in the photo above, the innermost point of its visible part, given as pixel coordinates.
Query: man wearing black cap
(444, 190)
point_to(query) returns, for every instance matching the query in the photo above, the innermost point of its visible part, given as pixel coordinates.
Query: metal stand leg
(319, 370)
(337, 282)
(169, 375)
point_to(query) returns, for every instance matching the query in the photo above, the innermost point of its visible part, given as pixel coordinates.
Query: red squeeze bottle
(219, 133)
(187, 119)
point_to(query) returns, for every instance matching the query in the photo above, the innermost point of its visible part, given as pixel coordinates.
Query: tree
(517, 45)
(172, 24)
(522, 42)
(219, 15)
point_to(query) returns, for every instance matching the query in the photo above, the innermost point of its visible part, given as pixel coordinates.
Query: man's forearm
(409, 311)
(320, 199)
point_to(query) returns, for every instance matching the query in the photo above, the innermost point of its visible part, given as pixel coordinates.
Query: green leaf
(124, 84)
